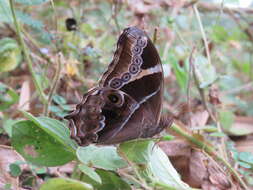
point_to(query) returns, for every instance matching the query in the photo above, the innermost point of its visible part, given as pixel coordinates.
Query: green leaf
(138, 151)
(245, 165)
(30, 21)
(38, 26)
(219, 33)
(54, 128)
(154, 163)
(163, 171)
(10, 54)
(59, 99)
(15, 170)
(37, 146)
(5, 11)
(41, 80)
(246, 157)
(8, 97)
(6, 16)
(180, 72)
(217, 134)
(64, 184)
(205, 72)
(100, 157)
(110, 181)
(7, 125)
(31, 2)
(226, 119)
(7, 186)
(90, 172)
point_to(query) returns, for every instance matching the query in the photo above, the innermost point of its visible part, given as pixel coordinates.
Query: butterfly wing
(128, 100)
(135, 70)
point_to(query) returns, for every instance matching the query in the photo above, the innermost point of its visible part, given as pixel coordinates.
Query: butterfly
(127, 102)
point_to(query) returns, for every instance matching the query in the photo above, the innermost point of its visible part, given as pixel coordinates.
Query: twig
(189, 82)
(55, 17)
(114, 15)
(54, 84)
(26, 54)
(208, 149)
(202, 33)
(222, 148)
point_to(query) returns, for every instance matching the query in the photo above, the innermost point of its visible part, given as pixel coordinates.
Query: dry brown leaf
(217, 177)
(199, 118)
(8, 156)
(245, 145)
(197, 168)
(178, 147)
(25, 96)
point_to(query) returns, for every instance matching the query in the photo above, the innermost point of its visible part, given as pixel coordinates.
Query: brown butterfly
(127, 102)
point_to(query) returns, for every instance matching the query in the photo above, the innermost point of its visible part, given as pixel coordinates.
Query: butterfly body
(127, 102)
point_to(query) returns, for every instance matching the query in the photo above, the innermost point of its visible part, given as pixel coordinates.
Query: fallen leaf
(25, 96)
(242, 126)
(8, 156)
(176, 147)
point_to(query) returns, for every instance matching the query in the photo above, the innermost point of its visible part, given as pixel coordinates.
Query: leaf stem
(26, 54)
(54, 84)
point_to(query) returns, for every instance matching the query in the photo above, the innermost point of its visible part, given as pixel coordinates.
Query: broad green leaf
(110, 181)
(205, 72)
(90, 172)
(7, 125)
(137, 151)
(163, 171)
(65, 184)
(226, 119)
(246, 157)
(100, 157)
(154, 163)
(8, 97)
(37, 146)
(54, 128)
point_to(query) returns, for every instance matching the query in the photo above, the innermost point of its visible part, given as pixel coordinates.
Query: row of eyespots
(134, 67)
